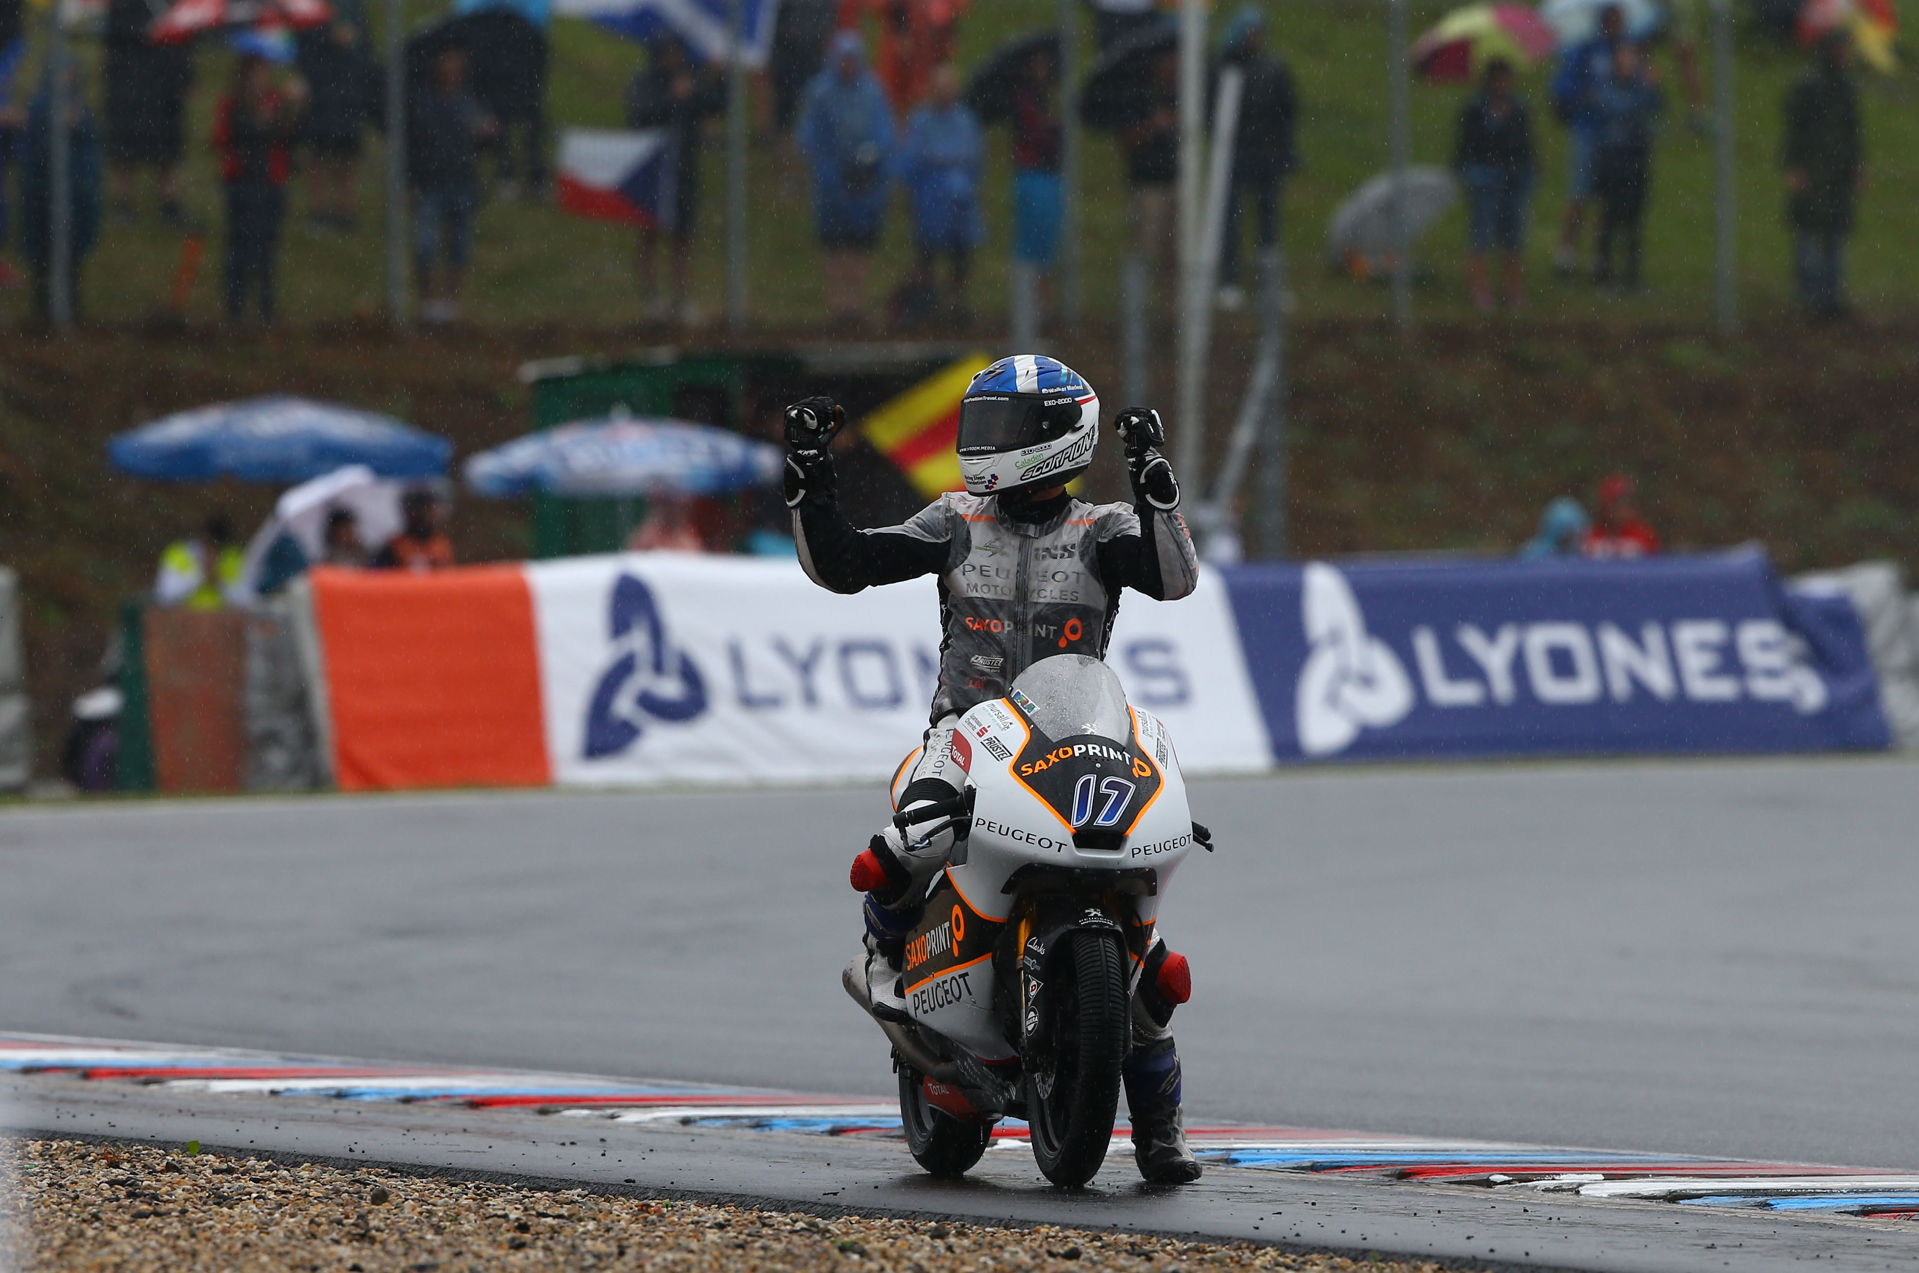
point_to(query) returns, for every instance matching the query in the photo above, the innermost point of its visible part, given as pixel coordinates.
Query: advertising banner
(668, 668)
(1677, 654)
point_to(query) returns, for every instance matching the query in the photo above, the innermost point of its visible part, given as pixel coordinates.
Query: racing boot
(873, 978)
(1152, 1101)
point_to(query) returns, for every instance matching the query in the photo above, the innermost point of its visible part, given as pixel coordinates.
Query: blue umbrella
(276, 439)
(624, 456)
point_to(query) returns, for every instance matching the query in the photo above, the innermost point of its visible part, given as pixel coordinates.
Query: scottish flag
(705, 26)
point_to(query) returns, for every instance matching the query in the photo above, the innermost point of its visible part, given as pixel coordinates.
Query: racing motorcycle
(1020, 975)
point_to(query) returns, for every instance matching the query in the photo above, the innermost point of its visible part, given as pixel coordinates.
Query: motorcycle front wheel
(942, 1144)
(1072, 1097)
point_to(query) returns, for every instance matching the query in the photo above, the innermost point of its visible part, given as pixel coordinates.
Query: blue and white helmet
(1027, 421)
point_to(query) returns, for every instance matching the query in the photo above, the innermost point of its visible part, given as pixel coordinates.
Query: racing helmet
(1026, 422)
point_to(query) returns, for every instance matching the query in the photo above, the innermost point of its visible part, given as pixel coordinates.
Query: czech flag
(919, 430)
(613, 175)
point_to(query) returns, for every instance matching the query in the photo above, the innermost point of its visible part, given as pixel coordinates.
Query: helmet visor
(995, 425)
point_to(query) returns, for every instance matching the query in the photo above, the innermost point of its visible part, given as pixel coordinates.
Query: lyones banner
(671, 668)
(660, 668)
(1701, 654)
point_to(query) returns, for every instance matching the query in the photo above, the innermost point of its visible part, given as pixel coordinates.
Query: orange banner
(433, 680)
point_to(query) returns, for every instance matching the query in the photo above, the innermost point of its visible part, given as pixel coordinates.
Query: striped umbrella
(623, 456)
(1466, 40)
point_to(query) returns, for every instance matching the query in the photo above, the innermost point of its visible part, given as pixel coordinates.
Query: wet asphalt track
(1714, 958)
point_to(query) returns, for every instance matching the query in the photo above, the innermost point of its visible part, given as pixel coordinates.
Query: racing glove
(810, 426)
(1143, 434)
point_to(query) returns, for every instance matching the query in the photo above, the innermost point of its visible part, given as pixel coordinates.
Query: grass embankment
(1801, 440)
(536, 265)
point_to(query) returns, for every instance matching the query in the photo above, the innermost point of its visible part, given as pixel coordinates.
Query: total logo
(651, 678)
(1352, 681)
(648, 679)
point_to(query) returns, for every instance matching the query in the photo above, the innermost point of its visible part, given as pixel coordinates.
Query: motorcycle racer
(1025, 571)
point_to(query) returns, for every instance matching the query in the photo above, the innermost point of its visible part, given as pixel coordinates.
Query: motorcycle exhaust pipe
(911, 1050)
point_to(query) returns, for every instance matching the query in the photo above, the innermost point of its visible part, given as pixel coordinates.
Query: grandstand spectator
(1151, 148)
(146, 98)
(846, 131)
(1617, 530)
(1494, 158)
(203, 571)
(1562, 531)
(674, 94)
(1262, 146)
(942, 157)
(422, 543)
(254, 127)
(1039, 197)
(36, 192)
(915, 37)
(1626, 104)
(800, 37)
(13, 51)
(346, 89)
(1825, 167)
(444, 128)
(1581, 68)
(340, 543)
(512, 82)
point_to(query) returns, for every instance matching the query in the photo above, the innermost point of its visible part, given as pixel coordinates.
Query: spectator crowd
(869, 99)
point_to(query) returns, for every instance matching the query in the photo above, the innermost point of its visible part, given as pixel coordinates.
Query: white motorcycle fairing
(1067, 783)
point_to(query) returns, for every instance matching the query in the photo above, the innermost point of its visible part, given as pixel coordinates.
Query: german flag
(919, 429)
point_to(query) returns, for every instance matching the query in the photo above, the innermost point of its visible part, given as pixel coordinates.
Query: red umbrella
(1467, 39)
(185, 19)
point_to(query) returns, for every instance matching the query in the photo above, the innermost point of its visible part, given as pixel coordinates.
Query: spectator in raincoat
(254, 127)
(204, 571)
(1825, 166)
(941, 158)
(1494, 159)
(675, 94)
(1039, 195)
(1562, 531)
(1581, 69)
(1626, 104)
(1263, 151)
(846, 132)
(1617, 531)
(346, 94)
(36, 193)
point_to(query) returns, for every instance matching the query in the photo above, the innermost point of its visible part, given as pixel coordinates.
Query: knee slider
(1165, 982)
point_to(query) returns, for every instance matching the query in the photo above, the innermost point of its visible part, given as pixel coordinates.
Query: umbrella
(1873, 24)
(184, 19)
(1362, 226)
(1118, 84)
(990, 91)
(1466, 40)
(276, 440)
(625, 456)
(272, 44)
(302, 513)
(1575, 20)
(503, 64)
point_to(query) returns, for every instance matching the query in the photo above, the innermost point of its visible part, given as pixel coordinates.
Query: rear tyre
(1072, 1098)
(942, 1144)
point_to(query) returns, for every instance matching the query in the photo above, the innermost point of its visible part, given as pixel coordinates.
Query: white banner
(662, 668)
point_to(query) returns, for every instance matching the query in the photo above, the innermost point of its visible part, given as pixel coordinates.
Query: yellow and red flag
(919, 429)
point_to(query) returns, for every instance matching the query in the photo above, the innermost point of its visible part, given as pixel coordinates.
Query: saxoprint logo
(1351, 680)
(649, 679)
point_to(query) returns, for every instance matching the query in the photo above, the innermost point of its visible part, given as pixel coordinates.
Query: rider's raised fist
(1140, 429)
(812, 422)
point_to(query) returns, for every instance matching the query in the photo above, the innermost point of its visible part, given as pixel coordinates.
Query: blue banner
(1503, 658)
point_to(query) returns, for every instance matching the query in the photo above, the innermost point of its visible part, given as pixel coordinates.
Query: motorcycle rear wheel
(1072, 1100)
(943, 1145)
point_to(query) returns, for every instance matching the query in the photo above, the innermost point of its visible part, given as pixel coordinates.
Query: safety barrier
(16, 738)
(659, 669)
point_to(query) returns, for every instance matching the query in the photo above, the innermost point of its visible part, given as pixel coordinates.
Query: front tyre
(943, 1145)
(1072, 1096)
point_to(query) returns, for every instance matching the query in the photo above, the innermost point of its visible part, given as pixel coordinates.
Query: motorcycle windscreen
(1070, 695)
